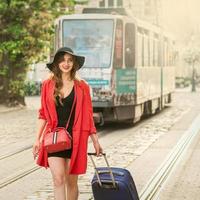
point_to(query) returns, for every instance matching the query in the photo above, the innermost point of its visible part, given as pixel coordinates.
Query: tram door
(124, 67)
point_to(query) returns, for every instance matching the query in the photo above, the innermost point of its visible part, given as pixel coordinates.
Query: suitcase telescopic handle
(96, 171)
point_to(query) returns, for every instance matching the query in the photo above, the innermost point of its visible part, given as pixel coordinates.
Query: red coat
(83, 124)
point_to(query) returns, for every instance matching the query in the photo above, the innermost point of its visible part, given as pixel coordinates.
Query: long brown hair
(57, 74)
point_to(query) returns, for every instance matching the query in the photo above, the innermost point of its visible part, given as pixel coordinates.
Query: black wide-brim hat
(80, 59)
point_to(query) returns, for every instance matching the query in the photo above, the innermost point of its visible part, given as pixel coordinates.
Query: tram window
(146, 51)
(173, 53)
(167, 56)
(164, 50)
(155, 52)
(130, 45)
(118, 51)
(139, 49)
(142, 50)
(102, 3)
(165, 53)
(110, 3)
(93, 38)
(170, 55)
(151, 52)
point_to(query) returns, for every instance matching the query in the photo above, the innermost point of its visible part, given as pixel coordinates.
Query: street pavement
(184, 183)
(125, 146)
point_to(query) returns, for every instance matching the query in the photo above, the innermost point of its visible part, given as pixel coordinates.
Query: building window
(110, 3)
(119, 3)
(102, 3)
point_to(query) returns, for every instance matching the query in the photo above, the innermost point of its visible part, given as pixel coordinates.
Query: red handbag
(59, 139)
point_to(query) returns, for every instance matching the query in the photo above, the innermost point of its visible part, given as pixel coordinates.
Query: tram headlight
(99, 94)
(105, 95)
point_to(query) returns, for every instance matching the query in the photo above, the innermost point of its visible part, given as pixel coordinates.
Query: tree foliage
(26, 28)
(192, 50)
(192, 57)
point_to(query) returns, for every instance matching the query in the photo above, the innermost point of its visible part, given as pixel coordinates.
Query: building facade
(148, 10)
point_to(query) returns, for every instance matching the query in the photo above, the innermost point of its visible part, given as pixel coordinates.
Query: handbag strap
(71, 108)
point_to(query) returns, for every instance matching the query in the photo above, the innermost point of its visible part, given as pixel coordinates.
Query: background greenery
(26, 28)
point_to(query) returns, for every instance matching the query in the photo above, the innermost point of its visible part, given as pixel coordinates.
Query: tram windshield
(90, 38)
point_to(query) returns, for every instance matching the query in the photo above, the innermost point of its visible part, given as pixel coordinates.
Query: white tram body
(129, 63)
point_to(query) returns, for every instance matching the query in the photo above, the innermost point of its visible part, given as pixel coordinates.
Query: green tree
(26, 28)
(192, 57)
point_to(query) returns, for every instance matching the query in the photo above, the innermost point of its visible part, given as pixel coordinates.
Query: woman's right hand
(36, 147)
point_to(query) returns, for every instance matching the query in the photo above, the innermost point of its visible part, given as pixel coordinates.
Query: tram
(129, 63)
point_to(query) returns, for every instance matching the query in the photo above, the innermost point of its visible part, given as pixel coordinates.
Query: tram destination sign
(125, 81)
(97, 82)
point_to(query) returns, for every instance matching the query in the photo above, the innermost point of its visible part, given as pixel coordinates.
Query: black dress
(63, 112)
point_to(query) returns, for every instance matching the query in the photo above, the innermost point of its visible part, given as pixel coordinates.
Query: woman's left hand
(98, 148)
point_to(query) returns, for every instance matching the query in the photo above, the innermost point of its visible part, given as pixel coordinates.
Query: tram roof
(128, 18)
(135, 20)
(90, 16)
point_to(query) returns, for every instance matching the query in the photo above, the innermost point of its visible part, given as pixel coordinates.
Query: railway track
(157, 181)
(20, 174)
(31, 167)
(15, 152)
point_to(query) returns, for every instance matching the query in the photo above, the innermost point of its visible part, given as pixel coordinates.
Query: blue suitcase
(111, 183)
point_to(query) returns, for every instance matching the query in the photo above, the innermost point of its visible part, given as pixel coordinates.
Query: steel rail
(8, 180)
(9, 154)
(152, 188)
(19, 174)
(27, 147)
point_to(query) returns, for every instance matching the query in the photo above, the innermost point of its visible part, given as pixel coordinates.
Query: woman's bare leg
(71, 184)
(57, 166)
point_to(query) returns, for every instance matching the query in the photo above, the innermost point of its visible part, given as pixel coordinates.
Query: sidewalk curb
(4, 109)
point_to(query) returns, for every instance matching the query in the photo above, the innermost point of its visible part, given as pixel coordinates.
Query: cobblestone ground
(128, 148)
(132, 141)
(18, 127)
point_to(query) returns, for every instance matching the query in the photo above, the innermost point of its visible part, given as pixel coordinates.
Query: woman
(57, 96)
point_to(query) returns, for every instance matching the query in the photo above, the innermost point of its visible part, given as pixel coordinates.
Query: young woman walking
(57, 96)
